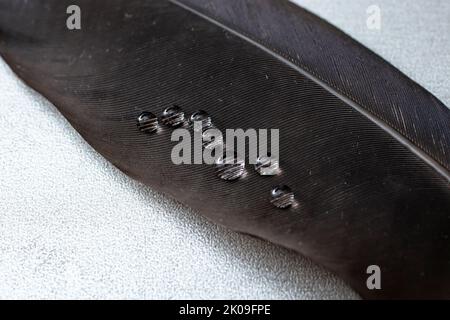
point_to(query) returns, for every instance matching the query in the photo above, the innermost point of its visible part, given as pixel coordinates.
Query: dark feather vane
(365, 149)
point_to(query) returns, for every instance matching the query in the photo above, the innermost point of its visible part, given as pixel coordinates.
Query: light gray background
(73, 226)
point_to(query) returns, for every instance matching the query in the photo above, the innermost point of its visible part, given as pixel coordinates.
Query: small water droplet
(147, 122)
(201, 116)
(267, 165)
(282, 196)
(230, 166)
(173, 116)
(211, 139)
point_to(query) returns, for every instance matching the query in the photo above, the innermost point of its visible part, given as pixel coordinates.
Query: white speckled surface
(414, 35)
(73, 226)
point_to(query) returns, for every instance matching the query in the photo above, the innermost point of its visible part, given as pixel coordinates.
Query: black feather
(364, 148)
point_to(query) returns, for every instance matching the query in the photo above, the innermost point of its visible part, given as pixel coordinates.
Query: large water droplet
(282, 196)
(201, 116)
(147, 122)
(173, 116)
(230, 166)
(267, 165)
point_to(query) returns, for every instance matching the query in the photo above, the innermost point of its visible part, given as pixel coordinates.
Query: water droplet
(211, 138)
(203, 117)
(147, 122)
(282, 196)
(267, 165)
(230, 167)
(173, 116)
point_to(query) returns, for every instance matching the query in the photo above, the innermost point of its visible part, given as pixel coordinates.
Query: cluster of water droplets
(229, 166)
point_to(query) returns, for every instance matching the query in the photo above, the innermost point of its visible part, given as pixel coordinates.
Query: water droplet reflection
(282, 196)
(267, 165)
(203, 117)
(147, 122)
(230, 166)
(173, 116)
(212, 138)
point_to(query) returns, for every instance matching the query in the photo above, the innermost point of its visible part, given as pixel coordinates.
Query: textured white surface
(414, 35)
(73, 226)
